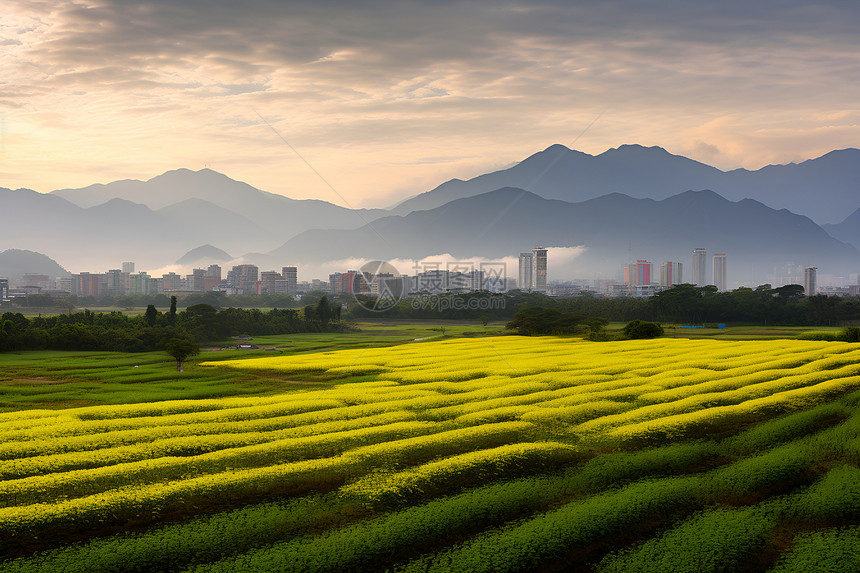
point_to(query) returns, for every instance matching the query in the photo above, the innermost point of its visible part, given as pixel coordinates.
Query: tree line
(154, 329)
(681, 304)
(217, 300)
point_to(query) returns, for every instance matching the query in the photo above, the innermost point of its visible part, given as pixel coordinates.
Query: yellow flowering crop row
(480, 436)
(154, 498)
(478, 464)
(790, 400)
(76, 483)
(84, 426)
(207, 438)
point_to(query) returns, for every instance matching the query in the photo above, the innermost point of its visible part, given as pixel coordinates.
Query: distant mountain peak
(556, 148)
(206, 253)
(119, 203)
(15, 263)
(185, 173)
(699, 194)
(635, 148)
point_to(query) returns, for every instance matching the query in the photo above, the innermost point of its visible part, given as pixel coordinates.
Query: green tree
(181, 349)
(642, 329)
(201, 320)
(151, 315)
(324, 311)
(788, 293)
(171, 318)
(125, 302)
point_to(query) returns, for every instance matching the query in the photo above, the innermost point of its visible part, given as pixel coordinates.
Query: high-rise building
(171, 282)
(244, 277)
(539, 269)
(638, 273)
(720, 271)
(85, 284)
(4, 287)
(809, 281)
(196, 280)
(212, 279)
(113, 283)
(698, 276)
(64, 284)
(334, 283)
(269, 282)
(140, 283)
(128, 268)
(477, 280)
(291, 275)
(525, 276)
(671, 274)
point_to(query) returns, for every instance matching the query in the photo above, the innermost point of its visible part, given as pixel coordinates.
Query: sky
(366, 103)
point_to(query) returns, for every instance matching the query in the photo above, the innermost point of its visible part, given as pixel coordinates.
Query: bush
(819, 335)
(850, 334)
(642, 329)
(536, 321)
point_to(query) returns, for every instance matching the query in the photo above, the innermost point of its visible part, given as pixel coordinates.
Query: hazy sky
(387, 99)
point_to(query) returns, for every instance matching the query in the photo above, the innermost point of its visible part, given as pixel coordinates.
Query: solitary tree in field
(180, 349)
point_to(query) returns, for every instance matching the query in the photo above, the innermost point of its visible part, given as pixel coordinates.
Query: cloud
(368, 91)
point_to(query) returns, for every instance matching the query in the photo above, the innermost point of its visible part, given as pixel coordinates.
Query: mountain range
(274, 214)
(825, 189)
(627, 203)
(153, 222)
(612, 229)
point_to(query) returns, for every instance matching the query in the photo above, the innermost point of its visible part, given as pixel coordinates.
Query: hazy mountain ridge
(848, 230)
(16, 262)
(823, 189)
(154, 222)
(613, 228)
(204, 254)
(276, 214)
(104, 235)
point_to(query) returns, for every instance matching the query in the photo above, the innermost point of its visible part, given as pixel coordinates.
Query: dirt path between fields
(34, 381)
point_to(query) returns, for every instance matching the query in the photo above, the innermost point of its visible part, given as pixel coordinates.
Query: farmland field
(472, 454)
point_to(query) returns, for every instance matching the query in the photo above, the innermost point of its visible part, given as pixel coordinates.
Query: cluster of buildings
(639, 279)
(241, 279)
